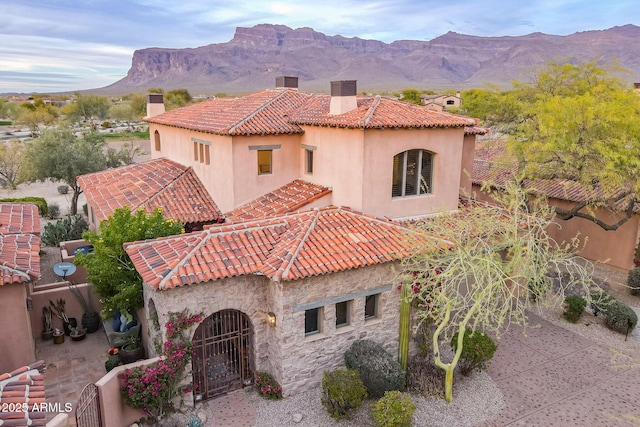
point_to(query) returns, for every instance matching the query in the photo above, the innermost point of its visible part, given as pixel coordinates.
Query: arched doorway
(223, 354)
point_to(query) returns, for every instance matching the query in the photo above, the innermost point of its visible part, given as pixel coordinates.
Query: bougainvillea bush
(267, 386)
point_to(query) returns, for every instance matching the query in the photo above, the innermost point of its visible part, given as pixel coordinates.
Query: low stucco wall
(67, 250)
(113, 410)
(60, 420)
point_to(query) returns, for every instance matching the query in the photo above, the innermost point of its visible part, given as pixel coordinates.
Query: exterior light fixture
(271, 318)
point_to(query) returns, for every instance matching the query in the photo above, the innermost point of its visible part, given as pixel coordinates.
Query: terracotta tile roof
(288, 198)
(475, 130)
(19, 218)
(491, 165)
(155, 183)
(375, 113)
(259, 113)
(19, 243)
(287, 247)
(24, 386)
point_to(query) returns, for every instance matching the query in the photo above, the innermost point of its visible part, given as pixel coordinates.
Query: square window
(312, 321)
(264, 162)
(342, 313)
(309, 161)
(371, 306)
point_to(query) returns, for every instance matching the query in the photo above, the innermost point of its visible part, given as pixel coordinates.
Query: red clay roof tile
(23, 386)
(286, 247)
(19, 243)
(155, 183)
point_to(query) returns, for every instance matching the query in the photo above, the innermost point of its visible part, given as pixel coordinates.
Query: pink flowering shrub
(152, 387)
(267, 386)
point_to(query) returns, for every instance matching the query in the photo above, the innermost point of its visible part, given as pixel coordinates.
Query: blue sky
(66, 45)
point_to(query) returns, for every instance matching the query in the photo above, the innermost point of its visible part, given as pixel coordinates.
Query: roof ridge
(14, 269)
(364, 122)
(300, 243)
(165, 188)
(184, 259)
(255, 112)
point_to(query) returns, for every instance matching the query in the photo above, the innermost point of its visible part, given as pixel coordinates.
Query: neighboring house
(324, 276)
(613, 248)
(159, 183)
(441, 102)
(19, 270)
(274, 161)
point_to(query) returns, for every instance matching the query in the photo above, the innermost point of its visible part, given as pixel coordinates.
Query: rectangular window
(312, 321)
(206, 155)
(342, 314)
(309, 161)
(264, 162)
(195, 151)
(371, 306)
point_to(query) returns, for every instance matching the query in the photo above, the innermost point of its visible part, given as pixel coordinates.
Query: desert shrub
(43, 208)
(63, 189)
(342, 391)
(477, 349)
(620, 317)
(600, 302)
(195, 422)
(538, 288)
(106, 124)
(574, 306)
(69, 228)
(378, 370)
(267, 386)
(633, 280)
(394, 409)
(424, 377)
(54, 211)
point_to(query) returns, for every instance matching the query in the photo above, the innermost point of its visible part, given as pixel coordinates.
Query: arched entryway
(223, 354)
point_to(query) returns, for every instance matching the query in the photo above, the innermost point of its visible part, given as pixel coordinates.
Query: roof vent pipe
(343, 97)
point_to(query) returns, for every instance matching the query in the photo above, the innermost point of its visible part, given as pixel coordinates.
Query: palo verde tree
(109, 268)
(59, 155)
(11, 161)
(90, 108)
(498, 263)
(579, 123)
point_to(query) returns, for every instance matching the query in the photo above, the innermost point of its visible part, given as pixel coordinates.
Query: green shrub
(574, 306)
(394, 409)
(633, 280)
(54, 211)
(378, 370)
(43, 209)
(69, 228)
(342, 391)
(267, 386)
(477, 349)
(63, 189)
(106, 124)
(195, 422)
(620, 318)
(600, 302)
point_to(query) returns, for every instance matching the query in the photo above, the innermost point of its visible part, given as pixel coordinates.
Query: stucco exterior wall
(19, 347)
(466, 166)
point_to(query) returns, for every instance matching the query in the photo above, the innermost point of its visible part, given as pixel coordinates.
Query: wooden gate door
(88, 408)
(223, 354)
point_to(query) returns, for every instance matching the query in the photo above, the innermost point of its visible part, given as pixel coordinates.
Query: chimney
(343, 97)
(286, 82)
(155, 104)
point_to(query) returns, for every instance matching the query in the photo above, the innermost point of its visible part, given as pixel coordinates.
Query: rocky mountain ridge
(257, 55)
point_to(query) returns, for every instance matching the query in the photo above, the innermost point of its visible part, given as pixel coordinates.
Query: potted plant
(114, 359)
(58, 336)
(78, 333)
(90, 318)
(131, 350)
(47, 324)
(57, 308)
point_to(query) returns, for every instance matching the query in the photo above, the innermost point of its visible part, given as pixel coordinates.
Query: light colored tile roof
(287, 247)
(155, 183)
(24, 386)
(375, 113)
(259, 113)
(19, 243)
(475, 130)
(288, 198)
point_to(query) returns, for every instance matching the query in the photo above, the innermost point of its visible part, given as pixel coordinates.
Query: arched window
(156, 137)
(412, 173)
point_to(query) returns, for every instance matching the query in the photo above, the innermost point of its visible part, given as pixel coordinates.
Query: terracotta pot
(58, 339)
(78, 337)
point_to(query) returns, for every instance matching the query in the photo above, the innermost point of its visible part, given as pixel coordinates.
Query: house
(614, 249)
(19, 270)
(441, 102)
(289, 280)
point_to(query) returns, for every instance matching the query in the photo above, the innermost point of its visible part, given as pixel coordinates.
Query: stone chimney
(155, 104)
(343, 97)
(286, 82)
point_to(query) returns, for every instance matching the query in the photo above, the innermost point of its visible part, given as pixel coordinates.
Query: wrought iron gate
(223, 354)
(88, 408)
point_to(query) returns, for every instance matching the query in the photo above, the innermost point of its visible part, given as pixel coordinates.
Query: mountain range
(257, 55)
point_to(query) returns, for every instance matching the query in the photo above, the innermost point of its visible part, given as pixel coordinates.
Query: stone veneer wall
(305, 358)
